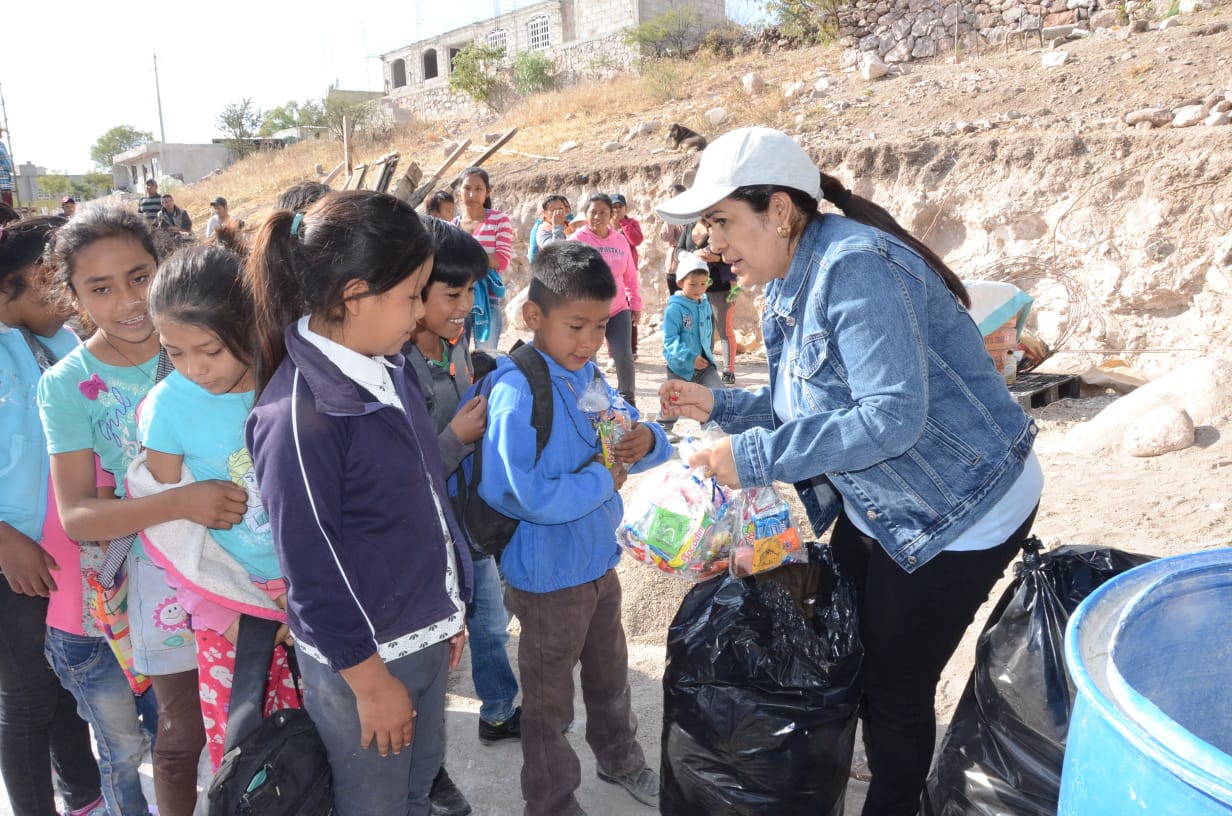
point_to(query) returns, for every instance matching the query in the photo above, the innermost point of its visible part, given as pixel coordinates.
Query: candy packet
(612, 417)
(764, 536)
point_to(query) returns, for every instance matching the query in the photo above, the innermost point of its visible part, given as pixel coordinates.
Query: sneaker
(642, 785)
(492, 733)
(445, 799)
(729, 378)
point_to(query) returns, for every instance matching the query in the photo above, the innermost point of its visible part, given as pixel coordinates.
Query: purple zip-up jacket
(345, 480)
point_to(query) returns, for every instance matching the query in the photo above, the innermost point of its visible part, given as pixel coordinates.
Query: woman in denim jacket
(883, 409)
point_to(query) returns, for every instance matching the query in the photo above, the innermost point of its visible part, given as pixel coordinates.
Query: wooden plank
(421, 192)
(386, 165)
(334, 173)
(491, 151)
(408, 182)
(356, 180)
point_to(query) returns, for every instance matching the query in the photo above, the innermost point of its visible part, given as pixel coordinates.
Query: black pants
(38, 718)
(911, 624)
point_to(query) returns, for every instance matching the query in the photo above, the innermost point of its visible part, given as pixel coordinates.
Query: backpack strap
(254, 649)
(530, 362)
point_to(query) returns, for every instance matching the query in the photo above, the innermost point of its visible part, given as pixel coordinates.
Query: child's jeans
(365, 782)
(88, 669)
(38, 716)
(559, 630)
(487, 625)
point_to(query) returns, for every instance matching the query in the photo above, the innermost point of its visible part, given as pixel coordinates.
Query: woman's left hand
(717, 461)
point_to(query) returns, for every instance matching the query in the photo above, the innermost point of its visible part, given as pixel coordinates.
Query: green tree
(55, 187)
(239, 122)
(672, 33)
(533, 72)
(474, 71)
(119, 139)
(805, 21)
(309, 113)
(339, 110)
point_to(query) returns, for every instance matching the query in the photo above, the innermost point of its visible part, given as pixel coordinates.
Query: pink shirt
(616, 251)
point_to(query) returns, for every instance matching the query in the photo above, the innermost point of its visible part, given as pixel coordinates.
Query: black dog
(684, 139)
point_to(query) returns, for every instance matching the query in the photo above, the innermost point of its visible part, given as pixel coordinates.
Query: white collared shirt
(372, 373)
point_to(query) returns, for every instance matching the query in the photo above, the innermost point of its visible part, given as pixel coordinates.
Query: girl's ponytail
(867, 212)
(277, 297)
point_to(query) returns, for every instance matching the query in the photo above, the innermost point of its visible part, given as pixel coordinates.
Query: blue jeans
(487, 623)
(366, 783)
(88, 669)
(496, 311)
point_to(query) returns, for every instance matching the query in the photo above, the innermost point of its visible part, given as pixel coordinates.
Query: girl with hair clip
(105, 260)
(348, 464)
(41, 582)
(494, 231)
(883, 409)
(192, 428)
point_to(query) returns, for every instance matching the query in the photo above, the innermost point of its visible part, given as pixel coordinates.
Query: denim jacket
(901, 409)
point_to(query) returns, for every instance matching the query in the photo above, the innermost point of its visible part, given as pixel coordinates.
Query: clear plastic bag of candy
(764, 536)
(672, 523)
(610, 415)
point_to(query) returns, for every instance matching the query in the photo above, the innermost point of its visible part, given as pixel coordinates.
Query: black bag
(761, 694)
(489, 530)
(276, 766)
(1002, 753)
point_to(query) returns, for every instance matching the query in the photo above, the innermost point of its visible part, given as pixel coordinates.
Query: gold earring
(783, 231)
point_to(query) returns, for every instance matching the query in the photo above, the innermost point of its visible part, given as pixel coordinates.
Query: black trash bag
(761, 694)
(1002, 753)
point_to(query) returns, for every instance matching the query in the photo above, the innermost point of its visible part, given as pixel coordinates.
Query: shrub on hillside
(474, 71)
(533, 72)
(672, 33)
(806, 21)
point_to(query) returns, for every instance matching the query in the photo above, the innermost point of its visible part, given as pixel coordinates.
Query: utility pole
(8, 137)
(162, 133)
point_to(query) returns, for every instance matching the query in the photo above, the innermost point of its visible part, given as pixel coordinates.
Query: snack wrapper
(766, 537)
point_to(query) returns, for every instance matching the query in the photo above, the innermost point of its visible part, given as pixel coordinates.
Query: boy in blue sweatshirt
(688, 326)
(559, 564)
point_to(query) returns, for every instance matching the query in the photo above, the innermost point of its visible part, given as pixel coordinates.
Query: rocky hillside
(1094, 171)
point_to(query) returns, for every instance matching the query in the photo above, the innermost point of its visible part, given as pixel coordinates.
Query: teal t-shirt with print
(87, 404)
(181, 418)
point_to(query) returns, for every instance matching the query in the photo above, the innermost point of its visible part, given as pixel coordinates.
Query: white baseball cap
(741, 158)
(688, 262)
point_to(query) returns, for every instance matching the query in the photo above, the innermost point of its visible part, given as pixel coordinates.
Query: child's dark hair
(547, 202)
(95, 222)
(460, 259)
(433, 207)
(301, 195)
(22, 244)
(203, 286)
(487, 182)
(857, 208)
(569, 270)
(300, 264)
(482, 364)
(602, 198)
(8, 214)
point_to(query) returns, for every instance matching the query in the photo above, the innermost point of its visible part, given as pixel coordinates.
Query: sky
(72, 70)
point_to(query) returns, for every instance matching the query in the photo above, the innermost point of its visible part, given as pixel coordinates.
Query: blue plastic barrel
(1150, 654)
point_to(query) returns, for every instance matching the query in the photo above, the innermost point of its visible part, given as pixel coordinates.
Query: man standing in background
(152, 204)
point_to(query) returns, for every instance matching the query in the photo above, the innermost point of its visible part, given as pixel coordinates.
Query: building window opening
(429, 61)
(498, 39)
(398, 70)
(539, 33)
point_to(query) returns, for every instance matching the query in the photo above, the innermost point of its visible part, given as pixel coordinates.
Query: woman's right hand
(678, 398)
(213, 503)
(25, 564)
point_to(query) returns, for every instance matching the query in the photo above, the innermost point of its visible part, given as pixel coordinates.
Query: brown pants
(559, 629)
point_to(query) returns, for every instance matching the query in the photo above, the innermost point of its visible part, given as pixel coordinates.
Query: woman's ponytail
(858, 208)
(277, 298)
